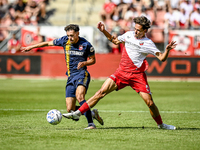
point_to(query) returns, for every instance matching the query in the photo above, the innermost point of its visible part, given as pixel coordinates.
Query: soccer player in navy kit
(79, 54)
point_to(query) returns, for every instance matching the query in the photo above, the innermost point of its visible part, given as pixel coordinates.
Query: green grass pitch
(128, 125)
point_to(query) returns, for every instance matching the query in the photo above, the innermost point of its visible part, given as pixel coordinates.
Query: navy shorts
(83, 78)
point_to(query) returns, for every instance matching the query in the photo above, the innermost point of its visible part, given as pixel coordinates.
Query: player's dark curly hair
(72, 27)
(143, 21)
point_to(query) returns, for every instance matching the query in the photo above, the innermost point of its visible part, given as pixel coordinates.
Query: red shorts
(138, 81)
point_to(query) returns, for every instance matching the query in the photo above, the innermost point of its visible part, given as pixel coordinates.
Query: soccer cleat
(97, 117)
(90, 127)
(72, 116)
(165, 126)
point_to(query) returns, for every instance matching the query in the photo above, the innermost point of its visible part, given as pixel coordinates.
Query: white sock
(78, 113)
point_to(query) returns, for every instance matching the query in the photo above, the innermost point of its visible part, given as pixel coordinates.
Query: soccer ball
(54, 116)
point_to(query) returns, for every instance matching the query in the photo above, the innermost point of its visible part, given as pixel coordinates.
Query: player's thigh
(70, 90)
(80, 93)
(139, 83)
(70, 103)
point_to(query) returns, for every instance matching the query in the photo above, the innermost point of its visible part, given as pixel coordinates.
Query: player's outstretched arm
(163, 56)
(111, 38)
(42, 44)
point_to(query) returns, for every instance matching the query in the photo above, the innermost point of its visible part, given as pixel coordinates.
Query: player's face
(139, 31)
(73, 36)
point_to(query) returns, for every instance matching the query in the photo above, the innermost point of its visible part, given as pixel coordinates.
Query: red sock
(158, 119)
(85, 107)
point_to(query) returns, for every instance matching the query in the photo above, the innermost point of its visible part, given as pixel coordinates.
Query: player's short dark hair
(143, 21)
(72, 27)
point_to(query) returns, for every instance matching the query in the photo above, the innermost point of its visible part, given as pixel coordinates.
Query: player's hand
(25, 49)
(101, 26)
(80, 65)
(171, 45)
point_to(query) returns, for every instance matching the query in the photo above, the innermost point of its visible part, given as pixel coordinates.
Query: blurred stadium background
(183, 62)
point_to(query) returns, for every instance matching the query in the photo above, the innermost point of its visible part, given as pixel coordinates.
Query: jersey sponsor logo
(132, 44)
(141, 43)
(74, 53)
(80, 47)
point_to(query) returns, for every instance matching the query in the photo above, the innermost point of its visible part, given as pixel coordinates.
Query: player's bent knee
(150, 103)
(80, 98)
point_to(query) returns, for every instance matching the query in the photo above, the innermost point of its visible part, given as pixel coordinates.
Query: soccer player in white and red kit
(131, 71)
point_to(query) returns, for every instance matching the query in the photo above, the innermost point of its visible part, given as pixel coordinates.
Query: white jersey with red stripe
(135, 52)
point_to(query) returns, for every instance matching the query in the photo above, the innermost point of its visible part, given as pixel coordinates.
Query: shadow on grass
(179, 128)
(128, 128)
(123, 128)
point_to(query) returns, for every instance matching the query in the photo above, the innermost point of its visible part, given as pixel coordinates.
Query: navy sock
(88, 114)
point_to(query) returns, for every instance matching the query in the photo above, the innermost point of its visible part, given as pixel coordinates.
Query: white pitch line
(118, 111)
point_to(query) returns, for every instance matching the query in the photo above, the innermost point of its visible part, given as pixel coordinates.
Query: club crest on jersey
(92, 49)
(141, 43)
(80, 47)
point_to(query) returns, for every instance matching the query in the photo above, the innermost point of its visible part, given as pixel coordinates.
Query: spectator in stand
(4, 7)
(32, 10)
(183, 19)
(120, 10)
(108, 9)
(187, 6)
(19, 21)
(42, 4)
(195, 18)
(13, 45)
(170, 19)
(20, 8)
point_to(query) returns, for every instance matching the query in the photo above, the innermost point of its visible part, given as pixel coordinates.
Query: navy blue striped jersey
(75, 53)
